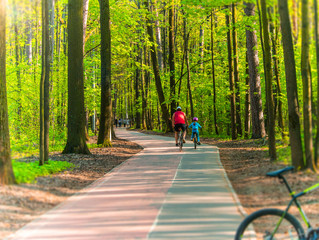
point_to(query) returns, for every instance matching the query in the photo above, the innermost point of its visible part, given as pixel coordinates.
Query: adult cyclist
(179, 120)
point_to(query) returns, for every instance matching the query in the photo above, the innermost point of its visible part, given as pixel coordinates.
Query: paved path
(160, 193)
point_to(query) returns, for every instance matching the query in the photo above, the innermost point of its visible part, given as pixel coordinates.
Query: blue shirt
(195, 126)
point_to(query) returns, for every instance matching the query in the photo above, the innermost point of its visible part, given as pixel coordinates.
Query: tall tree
(268, 76)
(157, 77)
(236, 71)
(158, 39)
(6, 172)
(291, 85)
(213, 74)
(186, 53)
(171, 57)
(316, 26)
(76, 142)
(232, 95)
(306, 82)
(257, 116)
(45, 85)
(274, 40)
(85, 19)
(106, 97)
(17, 63)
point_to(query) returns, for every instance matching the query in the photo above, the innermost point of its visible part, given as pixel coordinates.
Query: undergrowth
(27, 172)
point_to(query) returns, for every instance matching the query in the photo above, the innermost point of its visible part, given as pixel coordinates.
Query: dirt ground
(245, 162)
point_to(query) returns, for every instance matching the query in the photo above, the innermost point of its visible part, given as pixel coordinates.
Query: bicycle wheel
(180, 140)
(265, 224)
(195, 140)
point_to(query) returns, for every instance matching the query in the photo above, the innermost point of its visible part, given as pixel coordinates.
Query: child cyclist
(195, 125)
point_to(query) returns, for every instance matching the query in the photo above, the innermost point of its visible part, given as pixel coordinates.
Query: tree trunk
(213, 75)
(268, 76)
(171, 58)
(85, 19)
(158, 83)
(247, 103)
(278, 103)
(186, 52)
(6, 172)
(104, 137)
(201, 48)
(232, 96)
(47, 58)
(295, 20)
(316, 30)
(257, 116)
(236, 72)
(306, 82)
(76, 142)
(158, 40)
(17, 64)
(291, 83)
(138, 76)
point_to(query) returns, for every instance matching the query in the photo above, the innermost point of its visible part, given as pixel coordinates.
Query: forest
(69, 68)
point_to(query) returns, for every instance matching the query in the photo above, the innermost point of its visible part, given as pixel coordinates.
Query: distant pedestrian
(124, 122)
(120, 122)
(115, 122)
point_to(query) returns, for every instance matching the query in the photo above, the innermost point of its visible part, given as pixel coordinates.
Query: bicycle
(195, 140)
(272, 223)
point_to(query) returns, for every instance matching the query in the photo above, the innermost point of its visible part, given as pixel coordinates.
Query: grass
(27, 172)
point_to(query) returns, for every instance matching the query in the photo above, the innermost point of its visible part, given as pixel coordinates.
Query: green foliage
(284, 154)
(27, 172)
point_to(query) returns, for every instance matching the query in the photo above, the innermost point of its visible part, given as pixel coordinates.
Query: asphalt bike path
(160, 193)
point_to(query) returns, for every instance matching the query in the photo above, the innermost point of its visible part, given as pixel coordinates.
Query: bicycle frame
(294, 197)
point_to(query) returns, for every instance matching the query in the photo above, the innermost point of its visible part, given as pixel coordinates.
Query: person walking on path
(120, 122)
(179, 120)
(195, 125)
(115, 122)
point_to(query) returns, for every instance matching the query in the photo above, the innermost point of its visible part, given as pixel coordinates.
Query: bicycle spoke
(264, 226)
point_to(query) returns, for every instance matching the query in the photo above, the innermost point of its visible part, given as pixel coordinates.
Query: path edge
(234, 194)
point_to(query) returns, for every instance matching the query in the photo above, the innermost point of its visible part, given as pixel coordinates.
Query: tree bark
(247, 103)
(278, 101)
(47, 59)
(76, 142)
(17, 64)
(268, 76)
(306, 82)
(257, 116)
(232, 95)
(158, 40)
(105, 136)
(213, 75)
(316, 30)
(291, 85)
(85, 19)
(6, 172)
(236, 72)
(295, 20)
(171, 58)
(138, 76)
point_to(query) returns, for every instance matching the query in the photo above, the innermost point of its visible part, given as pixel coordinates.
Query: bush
(27, 172)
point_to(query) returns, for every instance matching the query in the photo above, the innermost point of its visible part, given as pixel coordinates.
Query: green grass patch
(284, 154)
(27, 172)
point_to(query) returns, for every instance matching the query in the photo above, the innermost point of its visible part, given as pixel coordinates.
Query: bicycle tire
(180, 140)
(262, 223)
(195, 140)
